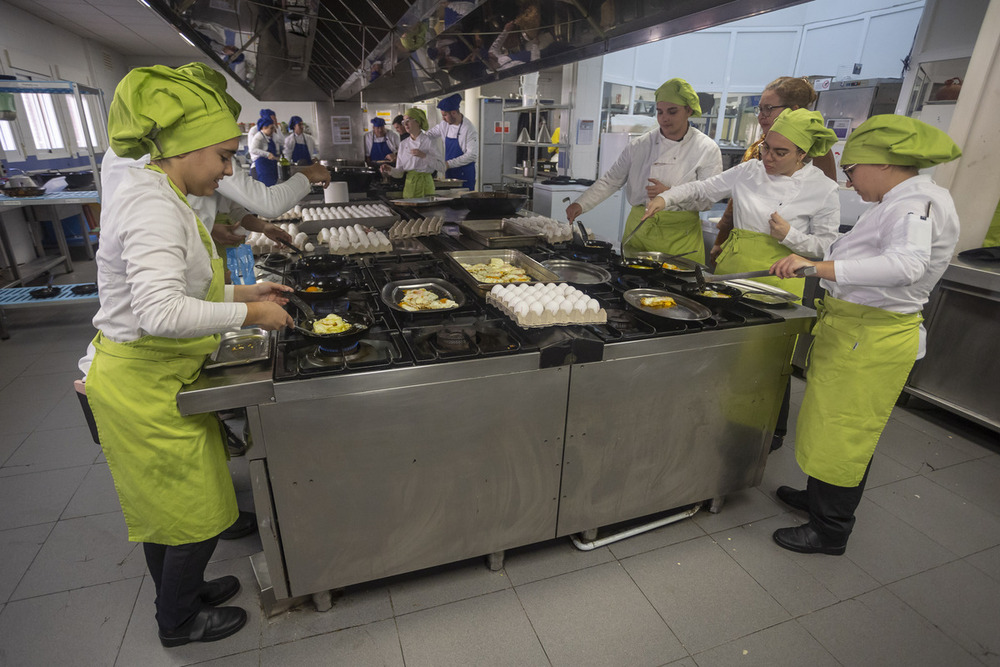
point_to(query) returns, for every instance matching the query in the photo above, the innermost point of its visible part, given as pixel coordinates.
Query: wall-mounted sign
(341, 129)
(840, 126)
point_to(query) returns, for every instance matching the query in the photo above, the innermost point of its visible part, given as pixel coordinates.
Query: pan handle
(297, 301)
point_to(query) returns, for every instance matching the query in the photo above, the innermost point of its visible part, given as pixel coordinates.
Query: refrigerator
(494, 126)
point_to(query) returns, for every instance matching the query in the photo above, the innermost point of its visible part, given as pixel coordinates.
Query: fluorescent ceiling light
(184, 37)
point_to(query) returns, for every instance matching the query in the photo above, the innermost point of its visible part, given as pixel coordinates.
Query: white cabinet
(606, 220)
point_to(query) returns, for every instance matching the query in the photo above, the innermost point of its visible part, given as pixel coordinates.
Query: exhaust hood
(407, 51)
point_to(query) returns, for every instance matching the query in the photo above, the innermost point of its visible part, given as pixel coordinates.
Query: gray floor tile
(244, 547)
(782, 470)
(775, 569)
(83, 626)
(886, 471)
(82, 552)
(549, 559)
(26, 416)
(879, 629)
(37, 497)
(916, 450)
(673, 533)
(13, 361)
(489, 630)
(9, 442)
(705, 597)
(976, 481)
(61, 361)
(987, 561)
(373, 644)
(783, 644)
(441, 585)
(248, 659)
(141, 645)
(96, 495)
(684, 662)
(947, 427)
(41, 389)
(908, 551)
(18, 548)
(962, 602)
(740, 508)
(67, 413)
(946, 518)
(354, 607)
(48, 450)
(598, 616)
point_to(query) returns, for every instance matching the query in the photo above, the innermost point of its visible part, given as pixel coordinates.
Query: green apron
(169, 470)
(992, 239)
(672, 232)
(858, 364)
(745, 250)
(418, 184)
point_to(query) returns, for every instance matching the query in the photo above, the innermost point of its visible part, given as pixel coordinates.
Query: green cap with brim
(167, 112)
(899, 140)
(679, 92)
(417, 115)
(806, 130)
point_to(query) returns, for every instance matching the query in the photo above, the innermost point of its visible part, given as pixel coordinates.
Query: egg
(497, 290)
(523, 287)
(593, 306)
(551, 308)
(567, 307)
(536, 308)
(310, 247)
(522, 309)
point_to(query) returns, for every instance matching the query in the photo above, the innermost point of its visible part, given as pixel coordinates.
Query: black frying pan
(359, 322)
(323, 288)
(319, 263)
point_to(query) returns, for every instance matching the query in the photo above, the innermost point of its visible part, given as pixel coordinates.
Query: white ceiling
(125, 26)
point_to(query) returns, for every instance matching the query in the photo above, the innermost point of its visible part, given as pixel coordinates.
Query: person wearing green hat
(673, 154)
(868, 334)
(162, 306)
(782, 203)
(418, 157)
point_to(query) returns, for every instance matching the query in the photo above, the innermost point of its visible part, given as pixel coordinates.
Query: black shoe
(777, 441)
(794, 498)
(245, 524)
(805, 540)
(208, 625)
(217, 591)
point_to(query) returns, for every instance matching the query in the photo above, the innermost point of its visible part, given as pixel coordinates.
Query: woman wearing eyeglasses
(785, 92)
(878, 276)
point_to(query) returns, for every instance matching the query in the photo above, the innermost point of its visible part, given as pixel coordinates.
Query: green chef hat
(214, 79)
(417, 115)
(680, 92)
(806, 130)
(167, 112)
(892, 139)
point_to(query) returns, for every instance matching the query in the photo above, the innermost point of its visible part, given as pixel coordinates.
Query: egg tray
(533, 321)
(408, 229)
(553, 230)
(313, 226)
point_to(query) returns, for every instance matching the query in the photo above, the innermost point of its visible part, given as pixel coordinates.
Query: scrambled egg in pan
(715, 294)
(497, 271)
(330, 324)
(424, 299)
(658, 302)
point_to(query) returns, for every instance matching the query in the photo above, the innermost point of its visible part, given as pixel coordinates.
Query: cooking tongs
(700, 275)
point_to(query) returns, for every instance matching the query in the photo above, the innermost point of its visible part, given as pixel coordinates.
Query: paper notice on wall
(341, 129)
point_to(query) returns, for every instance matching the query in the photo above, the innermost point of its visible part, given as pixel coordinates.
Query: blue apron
(301, 151)
(379, 149)
(267, 169)
(465, 173)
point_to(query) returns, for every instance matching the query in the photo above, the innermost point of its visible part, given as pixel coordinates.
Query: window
(11, 147)
(74, 116)
(44, 124)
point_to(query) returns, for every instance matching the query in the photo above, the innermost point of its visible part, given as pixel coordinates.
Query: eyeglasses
(847, 171)
(766, 110)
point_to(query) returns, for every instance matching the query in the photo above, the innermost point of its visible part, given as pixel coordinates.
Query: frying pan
(498, 203)
(359, 322)
(638, 266)
(327, 288)
(319, 263)
(696, 292)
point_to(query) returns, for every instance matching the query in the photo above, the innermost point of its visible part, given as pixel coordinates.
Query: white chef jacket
(258, 145)
(407, 162)
(807, 200)
(468, 139)
(390, 138)
(152, 268)
(303, 138)
(278, 136)
(694, 158)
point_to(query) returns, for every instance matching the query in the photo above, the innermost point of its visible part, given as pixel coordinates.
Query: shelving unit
(535, 146)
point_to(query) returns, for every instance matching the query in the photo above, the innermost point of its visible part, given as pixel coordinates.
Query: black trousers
(781, 427)
(831, 507)
(178, 572)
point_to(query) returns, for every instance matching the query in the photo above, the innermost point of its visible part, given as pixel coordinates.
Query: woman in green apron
(878, 276)
(418, 158)
(163, 304)
(670, 155)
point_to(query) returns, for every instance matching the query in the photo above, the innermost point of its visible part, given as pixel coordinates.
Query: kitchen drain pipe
(590, 545)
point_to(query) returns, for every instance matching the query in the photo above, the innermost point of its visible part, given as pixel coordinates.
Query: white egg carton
(408, 229)
(554, 230)
(354, 239)
(262, 244)
(546, 305)
(348, 212)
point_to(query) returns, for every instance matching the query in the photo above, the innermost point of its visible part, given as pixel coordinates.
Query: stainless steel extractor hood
(410, 50)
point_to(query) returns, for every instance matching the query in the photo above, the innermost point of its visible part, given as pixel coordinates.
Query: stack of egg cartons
(555, 231)
(354, 239)
(546, 304)
(261, 243)
(408, 229)
(346, 212)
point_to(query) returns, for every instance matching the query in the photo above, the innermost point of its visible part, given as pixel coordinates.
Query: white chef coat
(694, 158)
(303, 138)
(278, 135)
(468, 139)
(807, 200)
(152, 268)
(430, 163)
(258, 145)
(390, 137)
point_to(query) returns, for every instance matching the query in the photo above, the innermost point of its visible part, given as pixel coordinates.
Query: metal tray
(762, 294)
(537, 272)
(577, 273)
(392, 294)
(241, 347)
(499, 233)
(686, 309)
(684, 265)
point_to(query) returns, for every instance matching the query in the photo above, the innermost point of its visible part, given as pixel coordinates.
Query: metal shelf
(34, 268)
(534, 144)
(537, 107)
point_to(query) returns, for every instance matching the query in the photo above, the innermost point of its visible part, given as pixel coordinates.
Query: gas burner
(627, 282)
(329, 357)
(622, 320)
(456, 339)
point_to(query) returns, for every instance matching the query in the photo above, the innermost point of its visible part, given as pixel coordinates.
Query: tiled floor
(919, 585)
